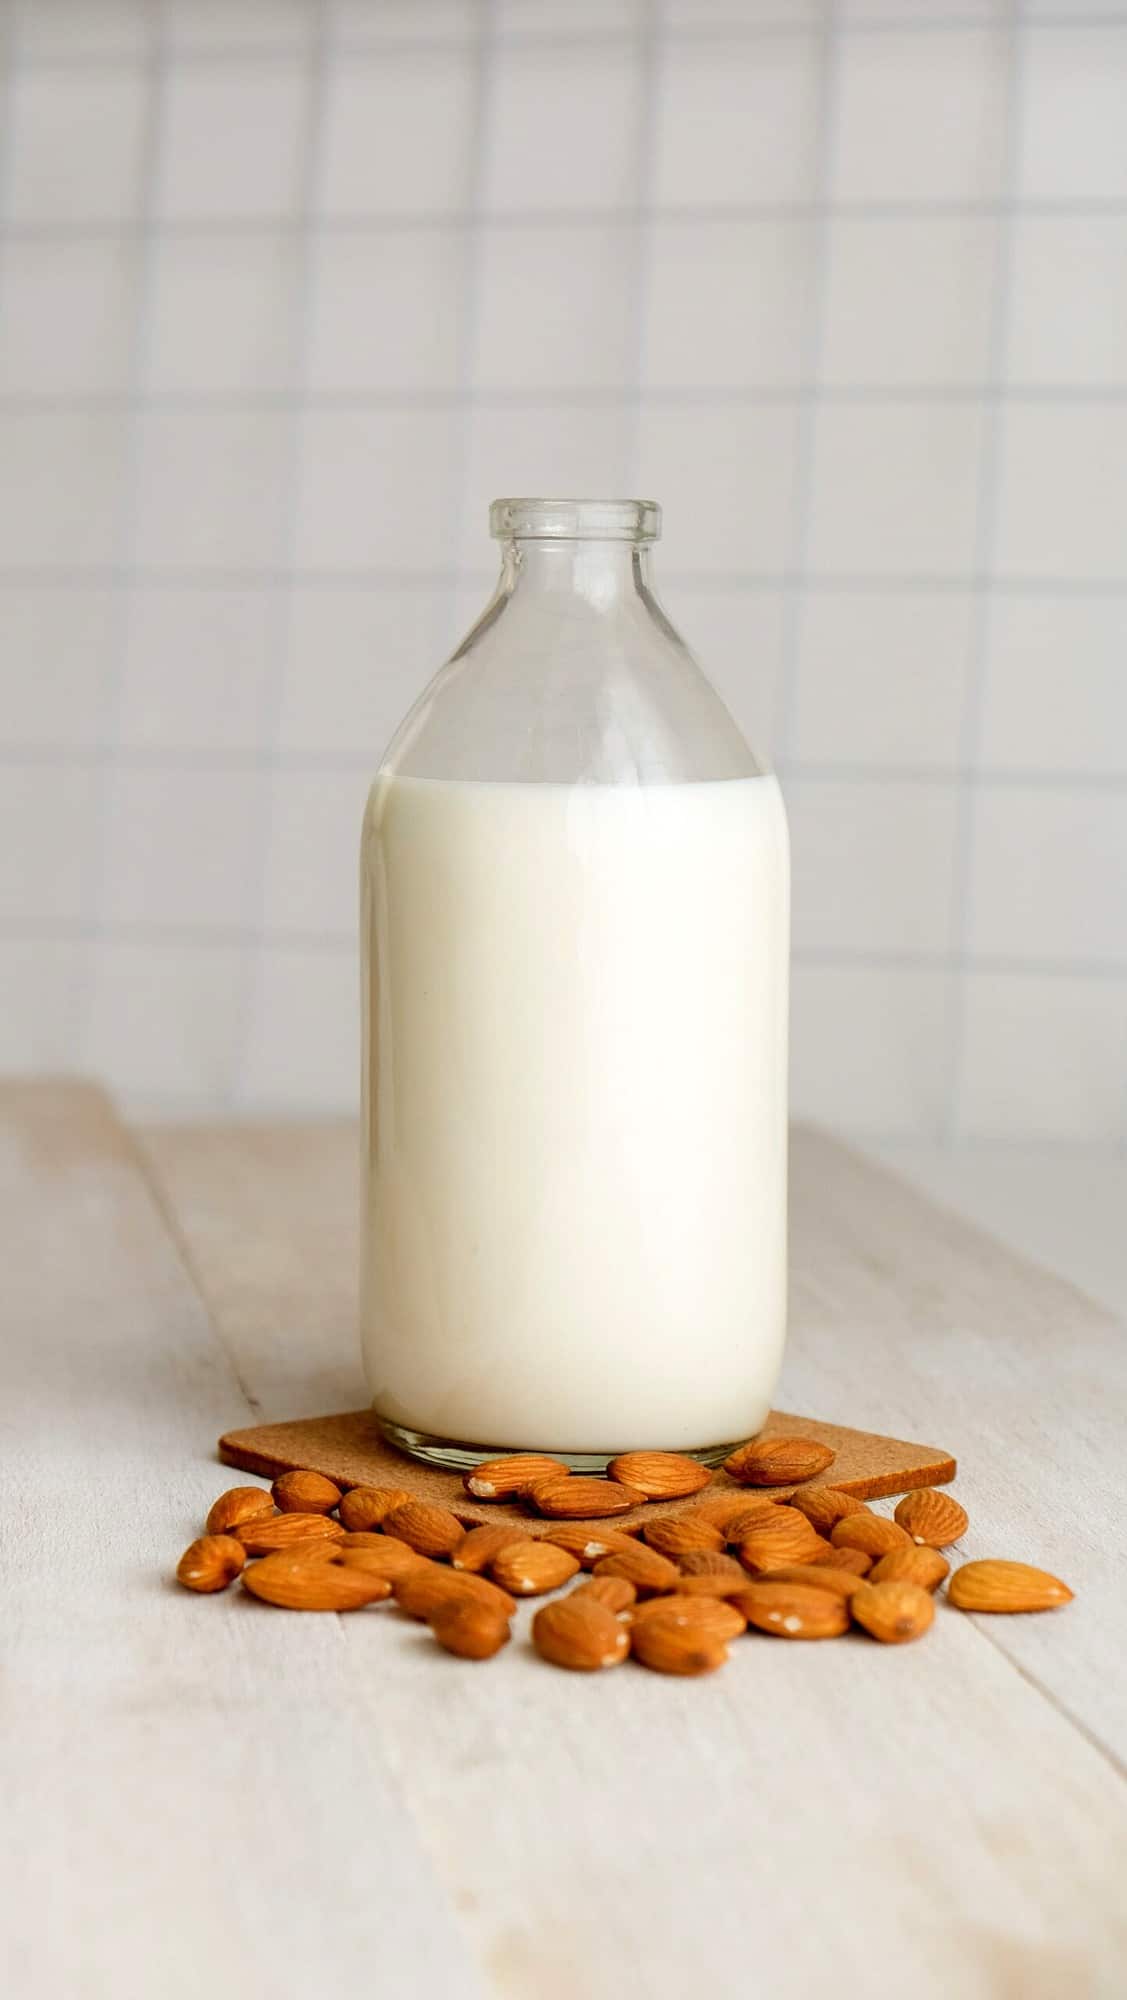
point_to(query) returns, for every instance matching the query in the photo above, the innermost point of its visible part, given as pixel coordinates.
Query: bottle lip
(575, 520)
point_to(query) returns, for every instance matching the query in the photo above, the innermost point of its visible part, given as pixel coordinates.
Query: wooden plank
(351, 1449)
(192, 1804)
(925, 1820)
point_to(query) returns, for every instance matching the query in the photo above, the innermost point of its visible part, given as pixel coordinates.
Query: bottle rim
(575, 520)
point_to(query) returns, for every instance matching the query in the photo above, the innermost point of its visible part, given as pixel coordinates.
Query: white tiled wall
(289, 289)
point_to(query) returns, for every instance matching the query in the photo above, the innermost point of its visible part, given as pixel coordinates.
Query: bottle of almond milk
(575, 918)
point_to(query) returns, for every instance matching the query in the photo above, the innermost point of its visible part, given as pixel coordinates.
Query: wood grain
(351, 1449)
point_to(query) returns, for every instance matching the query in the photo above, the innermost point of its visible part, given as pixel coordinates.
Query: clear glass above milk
(575, 915)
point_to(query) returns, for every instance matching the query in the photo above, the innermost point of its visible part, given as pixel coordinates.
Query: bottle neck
(601, 573)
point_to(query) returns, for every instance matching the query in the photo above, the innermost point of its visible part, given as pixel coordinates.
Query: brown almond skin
(578, 1499)
(668, 1646)
(683, 1532)
(823, 1506)
(923, 1566)
(873, 1534)
(996, 1585)
(793, 1610)
(755, 1514)
(716, 1617)
(648, 1571)
(420, 1590)
(267, 1535)
(433, 1531)
(710, 1562)
(933, 1520)
(511, 1477)
(530, 1568)
(854, 1561)
(380, 1555)
(294, 1584)
(590, 1545)
(468, 1629)
(613, 1591)
(580, 1634)
(305, 1493)
(660, 1475)
(778, 1461)
(787, 1539)
(239, 1503)
(478, 1546)
(815, 1576)
(894, 1613)
(363, 1508)
(210, 1563)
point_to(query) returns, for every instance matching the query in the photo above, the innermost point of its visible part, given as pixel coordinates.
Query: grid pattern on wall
(289, 289)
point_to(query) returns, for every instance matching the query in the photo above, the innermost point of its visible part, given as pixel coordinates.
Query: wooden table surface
(206, 1798)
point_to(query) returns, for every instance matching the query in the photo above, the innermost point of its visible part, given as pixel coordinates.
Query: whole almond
(660, 1475)
(508, 1478)
(1006, 1586)
(648, 1571)
(380, 1555)
(579, 1633)
(892, 1612)
(589, 1544)
(433, 1531)
(576, 1499)
(778, 1461)
(239, 1503)
(923, 1566)
(933, 1520)
(723, 1507)
(267, 1534)
(210, 1563)
(529, 1568)
(788, 1538)
(751, 1516)
(793, 1610)
(814, 1576)
(296, 1585)
(717, 1616)
(367, 1507)
(712, 1586)
(853, 1561)
(305, 1493)
(614, 1591)
(478, 1547)
(873, 1534)
(471, 1630)
(420, 1590)
(675, 1537)
(825, 1505)
(672, 1646)
(711, 1562)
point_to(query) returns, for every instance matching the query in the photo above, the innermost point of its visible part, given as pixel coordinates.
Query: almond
(715, 1616)
(529, 1568)
(433, 1531)
(210, 1563)
(892, 1612)
(814, 1576)
(305, 1493)
(478, 1547)
(712, 1586)
(721, 1508)
(672, 1646)
(825, 1505)
(297, 1585)
(778, 1461)
(579, 1633)
(853, 1561)
(265, 1536)
(684, 1532)
(923, 1566)
(471, 1630)
(711, 1562)
(1006, 1586)
(380, 1555)
(614, 1591)
(366, 1507)
(793, 1610)
(420, 1590)
(752, 1515)
(660, 1475)
(589, 1544)
(788, 1539)
(933, 1520)
(575, 1499)
(873, 1534)
(508, 1478)
(239, 1503)
(648, 1571)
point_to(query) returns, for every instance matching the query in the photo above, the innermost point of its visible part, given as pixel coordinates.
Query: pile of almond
(673, 1596)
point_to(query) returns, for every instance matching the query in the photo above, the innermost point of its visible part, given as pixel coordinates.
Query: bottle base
(451, 1455)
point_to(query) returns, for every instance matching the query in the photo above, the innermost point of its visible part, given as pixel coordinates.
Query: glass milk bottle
(575, 914)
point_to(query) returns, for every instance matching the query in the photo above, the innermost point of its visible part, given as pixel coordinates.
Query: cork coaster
(351, 1449)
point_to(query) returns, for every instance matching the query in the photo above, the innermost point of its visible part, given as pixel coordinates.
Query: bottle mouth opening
(575, 520)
